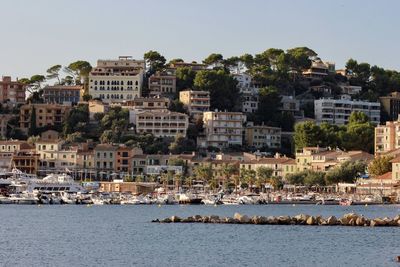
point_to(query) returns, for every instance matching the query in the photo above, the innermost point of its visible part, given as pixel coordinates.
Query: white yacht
(53, 183)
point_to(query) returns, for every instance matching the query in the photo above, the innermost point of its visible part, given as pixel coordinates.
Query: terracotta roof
(287, 161)
(385, 176)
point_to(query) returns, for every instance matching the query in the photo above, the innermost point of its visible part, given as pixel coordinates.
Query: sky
(37, 34)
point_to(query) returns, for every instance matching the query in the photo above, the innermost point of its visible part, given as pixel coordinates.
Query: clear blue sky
(37, 34)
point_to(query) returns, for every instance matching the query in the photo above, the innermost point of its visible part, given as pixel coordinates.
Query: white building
(248, 91)
(338, 111)
(117, 80)
(223, 128)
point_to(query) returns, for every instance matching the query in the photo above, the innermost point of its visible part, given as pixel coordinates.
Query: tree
(213, 59)
(380, 165)
(54, 73)
(249, 177)
(306, 134)
(276, 182)
(176, 60)
(223, 89)
(181, 144)
(177, 106)
(32, 129)
(229, 170)
(263, 175)
(154, 60)
(359, 134)
(184, 78)
(204, 172)
(80, 70)
(268, 105)
(107, 137)
(347, 172)
(77, 119)
(314, 178)
(296, 178)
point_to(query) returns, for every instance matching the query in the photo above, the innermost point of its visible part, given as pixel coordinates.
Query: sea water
(124, 236)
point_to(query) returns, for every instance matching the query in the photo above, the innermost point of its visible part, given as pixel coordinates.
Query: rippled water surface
(124, 236)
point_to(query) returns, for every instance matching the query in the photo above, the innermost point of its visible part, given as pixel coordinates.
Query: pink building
(11, 91)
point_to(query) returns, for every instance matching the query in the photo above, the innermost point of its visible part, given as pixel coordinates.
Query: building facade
(148, 103)
(162, 123)
(162, 83)
(195, 102)
(117, 80)
(387, 137)
(63, 94)
(338, 111)
(11, 91)
(44, 115)
(391, 105)
(263, 136)
(223, 129)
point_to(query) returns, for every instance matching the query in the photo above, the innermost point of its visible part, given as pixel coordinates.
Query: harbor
(20, 188)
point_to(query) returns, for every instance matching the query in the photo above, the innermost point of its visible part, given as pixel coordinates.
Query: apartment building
(162, 83)
(387, 137)
(124, 156)
(261, 136)
(390, 106)
(323, 159)
(195, 102)
(12, 91)
(26, 161)
(162, 123)
(45, 114)
(338, 111)
(104, 157)
(63, 94)
(291, 105)
(141, 103)
(281, 166)
(117, 80)
(48, 153)
(319, 69)
(223, 129)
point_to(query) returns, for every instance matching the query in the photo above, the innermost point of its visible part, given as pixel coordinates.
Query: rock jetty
(349, 219)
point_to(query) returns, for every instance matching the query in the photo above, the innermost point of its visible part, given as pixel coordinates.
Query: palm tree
(229, 170)
(263, 175)
(204, 173)
(248, 176)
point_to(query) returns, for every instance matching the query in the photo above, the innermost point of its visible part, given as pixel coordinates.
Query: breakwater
(349, 219)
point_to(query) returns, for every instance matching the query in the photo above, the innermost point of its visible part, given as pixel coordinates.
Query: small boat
(345, 202)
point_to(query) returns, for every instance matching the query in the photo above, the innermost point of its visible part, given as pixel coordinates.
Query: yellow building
(263, 136)
(196, 102)
(46, 115)
(387, 137)
(281, 166)
(162, 123)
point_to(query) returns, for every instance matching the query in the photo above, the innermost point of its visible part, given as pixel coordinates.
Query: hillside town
(276, 121)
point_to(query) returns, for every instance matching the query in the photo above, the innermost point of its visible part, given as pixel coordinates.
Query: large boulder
(241, 218)
(189, 219)
(166, 220)
(284, 219)
(215, 219)
(301, 218)
(272, 220)
(360, 221)
(331, 220)
(229, 220)
(175, 219)
(197, 218)
(311, 220)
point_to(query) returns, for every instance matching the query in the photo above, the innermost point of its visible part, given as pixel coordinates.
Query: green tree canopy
(222, 86)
